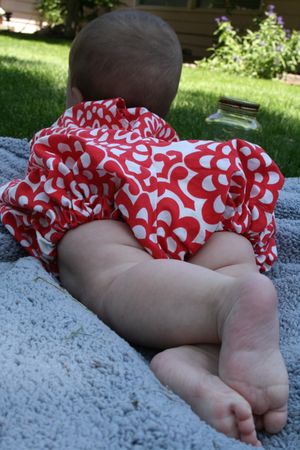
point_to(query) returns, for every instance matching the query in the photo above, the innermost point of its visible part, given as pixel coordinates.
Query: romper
(100, 161)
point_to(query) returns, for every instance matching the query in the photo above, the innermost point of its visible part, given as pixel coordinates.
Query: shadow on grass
(280, 135)
(36, 38)
(30, 96)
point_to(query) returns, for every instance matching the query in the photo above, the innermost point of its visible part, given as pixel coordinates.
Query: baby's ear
(74, 96)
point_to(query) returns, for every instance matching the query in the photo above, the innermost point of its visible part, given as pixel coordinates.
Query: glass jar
(234, 119)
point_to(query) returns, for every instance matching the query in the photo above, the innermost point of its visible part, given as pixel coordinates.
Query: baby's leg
(167, 303)
(232, 254)
(152, 302)
(227, 253)
(192, 371)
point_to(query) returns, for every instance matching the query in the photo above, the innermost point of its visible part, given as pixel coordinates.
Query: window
(232, 4)
(175, 3)
(227, 4)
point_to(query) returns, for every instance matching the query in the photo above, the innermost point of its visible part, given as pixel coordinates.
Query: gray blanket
(69, 382)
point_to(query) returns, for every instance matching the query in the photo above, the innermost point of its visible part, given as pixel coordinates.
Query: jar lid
(239, 106)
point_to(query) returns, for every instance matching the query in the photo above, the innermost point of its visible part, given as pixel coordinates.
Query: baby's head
(129, 54)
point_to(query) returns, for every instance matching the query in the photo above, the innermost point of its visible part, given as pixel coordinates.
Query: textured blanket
(69, 382)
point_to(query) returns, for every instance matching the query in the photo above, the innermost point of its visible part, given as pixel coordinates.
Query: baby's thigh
(223, 249)
(94, 253)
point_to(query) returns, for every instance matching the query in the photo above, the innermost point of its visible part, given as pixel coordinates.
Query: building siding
(25, 17)
(195, 26)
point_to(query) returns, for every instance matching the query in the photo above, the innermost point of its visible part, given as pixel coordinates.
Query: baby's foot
(191, 372)
(250, 359)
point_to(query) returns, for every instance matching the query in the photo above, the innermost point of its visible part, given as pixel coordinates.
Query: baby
(163, 239)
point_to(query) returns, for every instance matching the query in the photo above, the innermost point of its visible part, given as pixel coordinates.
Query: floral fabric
(101, 160)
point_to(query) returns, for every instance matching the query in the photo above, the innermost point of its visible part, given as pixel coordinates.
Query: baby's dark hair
(130, 54)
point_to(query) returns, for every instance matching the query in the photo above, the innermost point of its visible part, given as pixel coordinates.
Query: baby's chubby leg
(228, 253)
(160, 303)
(152, 302)
(250, 361)
(168, 303)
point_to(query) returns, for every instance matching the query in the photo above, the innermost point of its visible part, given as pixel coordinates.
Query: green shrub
(267, 52)
(72, 13)
(50, 11)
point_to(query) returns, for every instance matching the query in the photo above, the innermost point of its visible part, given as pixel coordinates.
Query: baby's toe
(246, 425)
(275, 417)
(274, 421)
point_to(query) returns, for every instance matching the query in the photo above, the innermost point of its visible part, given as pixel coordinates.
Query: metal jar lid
(238, 106)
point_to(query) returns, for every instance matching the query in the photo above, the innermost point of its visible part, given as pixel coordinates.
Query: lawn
(33, 77)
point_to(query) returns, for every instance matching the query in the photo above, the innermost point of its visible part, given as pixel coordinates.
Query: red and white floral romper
(101, 160)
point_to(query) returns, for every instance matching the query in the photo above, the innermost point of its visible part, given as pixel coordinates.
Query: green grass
(33, 75)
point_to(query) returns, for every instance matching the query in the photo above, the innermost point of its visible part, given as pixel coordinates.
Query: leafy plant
(71, 12)
(266, 52)
(50, 11)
